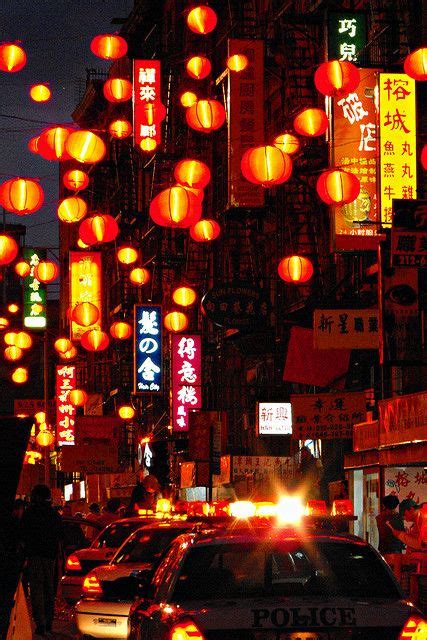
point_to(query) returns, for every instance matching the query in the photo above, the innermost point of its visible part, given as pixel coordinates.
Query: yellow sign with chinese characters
(398, 141)
(85, 286)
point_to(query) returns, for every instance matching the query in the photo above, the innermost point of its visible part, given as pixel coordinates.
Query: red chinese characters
(65, 411)
(186, 379)
(147, 88)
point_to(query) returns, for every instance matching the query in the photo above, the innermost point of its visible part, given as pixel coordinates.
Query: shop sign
(354, 148)
(409, 233)
(398, 141)
(403, 419)
(262, 468)
(346, 329)
(87, 458)
(407, 483)
(65, 411)
(239, 305)
(34, 307)
(85, 286)
(274, 418)
(188, 475)
(346, 36)
(327, 415)
(28, 406)
(146, 90)
(186, 379)
(366, 436)
(148, 348)
(245, 120)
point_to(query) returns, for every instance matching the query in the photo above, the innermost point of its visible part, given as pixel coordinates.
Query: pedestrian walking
(42, 534)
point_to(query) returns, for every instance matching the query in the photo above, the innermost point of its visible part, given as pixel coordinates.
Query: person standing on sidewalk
(42, 533)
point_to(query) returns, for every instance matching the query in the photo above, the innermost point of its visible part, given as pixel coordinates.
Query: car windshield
(146, 545)
(113, 536)
(258, 569)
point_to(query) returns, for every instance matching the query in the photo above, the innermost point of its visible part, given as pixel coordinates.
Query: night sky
(56, 36)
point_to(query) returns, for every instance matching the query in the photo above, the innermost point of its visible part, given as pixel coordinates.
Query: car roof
(224, 536)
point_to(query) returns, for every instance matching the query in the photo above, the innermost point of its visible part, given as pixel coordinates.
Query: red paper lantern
(98, 228)
(337, 78)
(85, 314)
(23, 340)
(85, 147)
(311, 122)
(75, 180)
(12, 57)
(126, 412)
(120, 129)
(266, 165)
(148, 144)
(205, 116)
(237, 63)
(338, 187)
(175, 321)
(13, 353)
(121, 330)
(175, 207)
(198, 67)
(45, 438)
(192, 173)
(21, 196)
(205, 230)
(46, 271)
(95, 340)
(33, 144)
(287, 142)
(78, 397)
(184, 296)
(10, 338)
(51, 144)
(40, 93)
(13, 307)
(202, 20)
(8, 249)
(117, 90)
(20, 375)
(72, 209)
(62, 345)
(424, 157)
(295, 269)
(22, 268)
(127, 255)
(415, 64)
(139, 276)
(188, 98)
(109, 46)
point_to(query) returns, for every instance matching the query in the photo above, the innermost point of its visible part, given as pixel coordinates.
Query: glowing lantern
(120, 129)
(46, 271)
(69, 355)
(148, 144)
(37, 307)
(202, 20)
(237, 62)
(12, 57)
(85, 146)
(188, 98)
(62, 345)
(81, 244)
(8, 249)
(22, 268)
(85, 314)
(424, 157)
(20, 375)
(175, 207)
(139, 276)
(184, 296)
(40, 93)
(126, 412)
(78, 397)
(40, 417)
(23, 340)
(52, 143)
(109, 46)
(311, 122)
(10, 337)
(205, 116)
(121, 330)
(75, 180)
(152, 113)
(4, 323)
(415, 64)
(72, 209)
(21, 196)
(337, 78)
(198, 67)
(296, 269)
(117, 90)
(95, 340)
(44, 438)
(98, 229)
(287, 142)
(192, 173)
(127, 255)
(33, 144)
(13, 353)
(338, 187)
(266, 165)
(13, 307)
(175, 321)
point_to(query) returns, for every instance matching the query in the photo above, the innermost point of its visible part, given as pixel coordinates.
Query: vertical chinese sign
(85, 285)
(34, 307)
(148, 349)
(65, 411)
(245, 120)
(354, 148)
(146, 90)
(398, 139)
(346, 36)
(186, 379)
(409, 233)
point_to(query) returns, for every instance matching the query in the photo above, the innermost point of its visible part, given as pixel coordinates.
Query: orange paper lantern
(188, 98)
(10, 338)
(46, 271)
(120, 129)
(127, 255)
(198, 67)
(126, 412)
(192, 173)
(184, 296)
(20, 375)
(205, 230)
(266, 165)
(72, 209)
(175, 207)
(311, 122)
(205, 116)
(85, 147)
(23, 340)
(45, 438)
(13, 307)
(202, 20)
(4, 323)
(287, 142)
(94, 340)
(117, 90)
(12, 57)
(78, 397)
(148, 144)
(237, 63)
(415, 64)
(295, 269)
(337, 78)
(40, 93)
(21, 196)
(175, 321)
(52, 143)
(75, 180)
(13, 353)
(337, 187)
(139, 276)
(121, 330)
(98, 229)
(85, 314)
(61, 345)
(109, 46)
(8, 249)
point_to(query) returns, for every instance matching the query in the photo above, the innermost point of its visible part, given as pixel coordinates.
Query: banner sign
(354, 148)
(274, 418)
(403, 419)
(186, 379)
(327, 415)
(407, 483)
(87, 458)
(146, 90)
(65, 411)
(366, 436)
(245, 120)
(148, 348)
(346, 329)
(346, 36)
(34, 307)
(409, 233)
(85, 286)
(398, 141)
(262, 468)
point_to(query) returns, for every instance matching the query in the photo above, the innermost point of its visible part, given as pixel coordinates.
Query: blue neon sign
(148, 348)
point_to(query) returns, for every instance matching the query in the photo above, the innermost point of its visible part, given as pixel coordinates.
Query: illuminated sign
(34, 306)
(346, 36)
(186, 379)
(274, 418)
(327, 415)
(398, 141)
(346, 329)
(65, 411)
(85, 285)
(146, 90)
(148, 349)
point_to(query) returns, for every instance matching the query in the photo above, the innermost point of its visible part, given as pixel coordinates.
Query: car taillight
(73, 563)
(185, 630)
(91, 585)
(415, 629)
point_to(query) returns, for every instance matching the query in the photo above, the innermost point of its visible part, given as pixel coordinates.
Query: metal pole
(46, 407)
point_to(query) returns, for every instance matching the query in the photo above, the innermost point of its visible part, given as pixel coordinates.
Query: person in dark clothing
(42, 534)
(388, 543)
